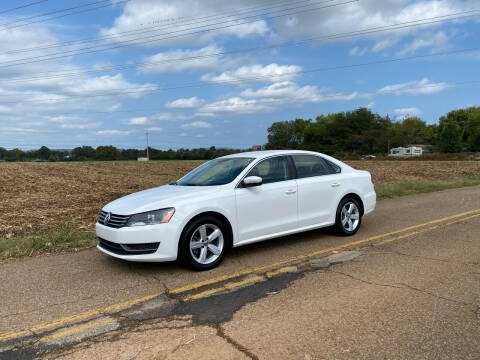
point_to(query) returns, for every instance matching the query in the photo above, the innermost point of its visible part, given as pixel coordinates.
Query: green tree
(450, 140)
(3, 152)
(14, 155)
(107, 153)
(472, 128)
(287, 134)
(44, 153)
(430, 134)
(412, 129)
(83, 153)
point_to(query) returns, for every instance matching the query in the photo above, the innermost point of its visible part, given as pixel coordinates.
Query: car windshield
(215, 172)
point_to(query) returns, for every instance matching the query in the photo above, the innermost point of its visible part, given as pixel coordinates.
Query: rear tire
(203, 243)
(348, 218)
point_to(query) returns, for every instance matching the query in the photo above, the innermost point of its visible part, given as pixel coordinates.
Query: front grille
(116, 221)
(128, 249)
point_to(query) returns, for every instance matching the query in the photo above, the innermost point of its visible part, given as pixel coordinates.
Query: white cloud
(138, 120)
(284, 89)
(81, 126)
(255, 73)
(146, 12)
(163, 117)
(195, 60)
(406, 112)
(435, 41)
(197, 125)
(114, 84)
(185, 103)
(274, 96)
(234, 105)
(166, 116)
(368, 14)
(114, 132)
(422, 87)
(155, 129)
(358, 51)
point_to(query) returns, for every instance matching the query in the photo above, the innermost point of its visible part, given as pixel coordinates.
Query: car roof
(266, 153)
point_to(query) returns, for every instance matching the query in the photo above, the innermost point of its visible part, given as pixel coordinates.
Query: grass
(392, 190)
(58, 238)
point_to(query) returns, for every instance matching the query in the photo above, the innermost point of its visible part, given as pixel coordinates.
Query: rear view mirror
(250, 181)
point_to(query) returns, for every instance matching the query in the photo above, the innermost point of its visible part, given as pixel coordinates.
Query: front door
(270, 208)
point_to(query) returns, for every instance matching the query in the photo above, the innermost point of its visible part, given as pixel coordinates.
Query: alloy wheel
(350, 216)
(206, 244)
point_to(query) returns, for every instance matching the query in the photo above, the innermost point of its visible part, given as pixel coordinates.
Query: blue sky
(180, 69)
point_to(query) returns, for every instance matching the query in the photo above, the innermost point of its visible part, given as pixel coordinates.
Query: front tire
(349, 217)
(203, 243)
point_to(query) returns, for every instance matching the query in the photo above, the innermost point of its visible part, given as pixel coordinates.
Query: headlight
(151, 217)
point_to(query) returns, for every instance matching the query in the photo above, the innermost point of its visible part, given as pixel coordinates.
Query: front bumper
(165, 235)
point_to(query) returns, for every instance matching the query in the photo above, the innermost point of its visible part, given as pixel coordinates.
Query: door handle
(335, 184)
(291, 191)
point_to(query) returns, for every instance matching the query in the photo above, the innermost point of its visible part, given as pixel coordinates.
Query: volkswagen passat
(232, 201)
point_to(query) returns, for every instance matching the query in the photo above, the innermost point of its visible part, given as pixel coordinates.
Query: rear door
(319, 184)
(271, 207)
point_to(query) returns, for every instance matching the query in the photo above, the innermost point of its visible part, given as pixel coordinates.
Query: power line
(67, 74)
(6, 27)
(151, 29)
(22, 6)
(368, 31)
(81, 52)
(153, 87)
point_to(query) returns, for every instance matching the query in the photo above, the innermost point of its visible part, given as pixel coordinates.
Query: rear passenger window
(311, 165)
(333, 167)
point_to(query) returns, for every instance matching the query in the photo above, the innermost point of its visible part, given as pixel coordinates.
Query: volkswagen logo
(107, 218)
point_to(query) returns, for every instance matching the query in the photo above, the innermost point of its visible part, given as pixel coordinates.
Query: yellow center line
(424, 230)
(127, 304)
(77, 329)
(75, 318)
(228, 286)
(233, 285)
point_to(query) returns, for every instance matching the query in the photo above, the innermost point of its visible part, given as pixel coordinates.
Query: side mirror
(250, 181)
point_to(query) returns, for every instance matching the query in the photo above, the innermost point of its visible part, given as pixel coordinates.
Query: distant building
(142, 159)
(426, 148)
(406, 151)
(256, 147)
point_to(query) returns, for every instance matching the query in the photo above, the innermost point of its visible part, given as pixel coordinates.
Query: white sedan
(235, 200)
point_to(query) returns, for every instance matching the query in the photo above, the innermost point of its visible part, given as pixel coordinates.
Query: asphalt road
(410, 294)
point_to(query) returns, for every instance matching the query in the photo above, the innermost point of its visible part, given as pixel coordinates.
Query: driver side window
(272, 170)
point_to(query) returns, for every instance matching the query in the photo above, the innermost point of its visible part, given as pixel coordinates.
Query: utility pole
(148, 155)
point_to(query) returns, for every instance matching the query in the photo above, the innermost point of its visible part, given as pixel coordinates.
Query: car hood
(157, 198)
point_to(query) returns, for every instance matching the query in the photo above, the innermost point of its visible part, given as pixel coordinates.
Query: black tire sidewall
(338, 219)
(184, 256)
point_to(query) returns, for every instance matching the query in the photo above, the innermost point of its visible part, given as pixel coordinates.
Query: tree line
(107, 153)
(363, 132)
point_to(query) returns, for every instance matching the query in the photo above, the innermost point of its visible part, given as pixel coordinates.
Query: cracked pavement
(416, 298)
